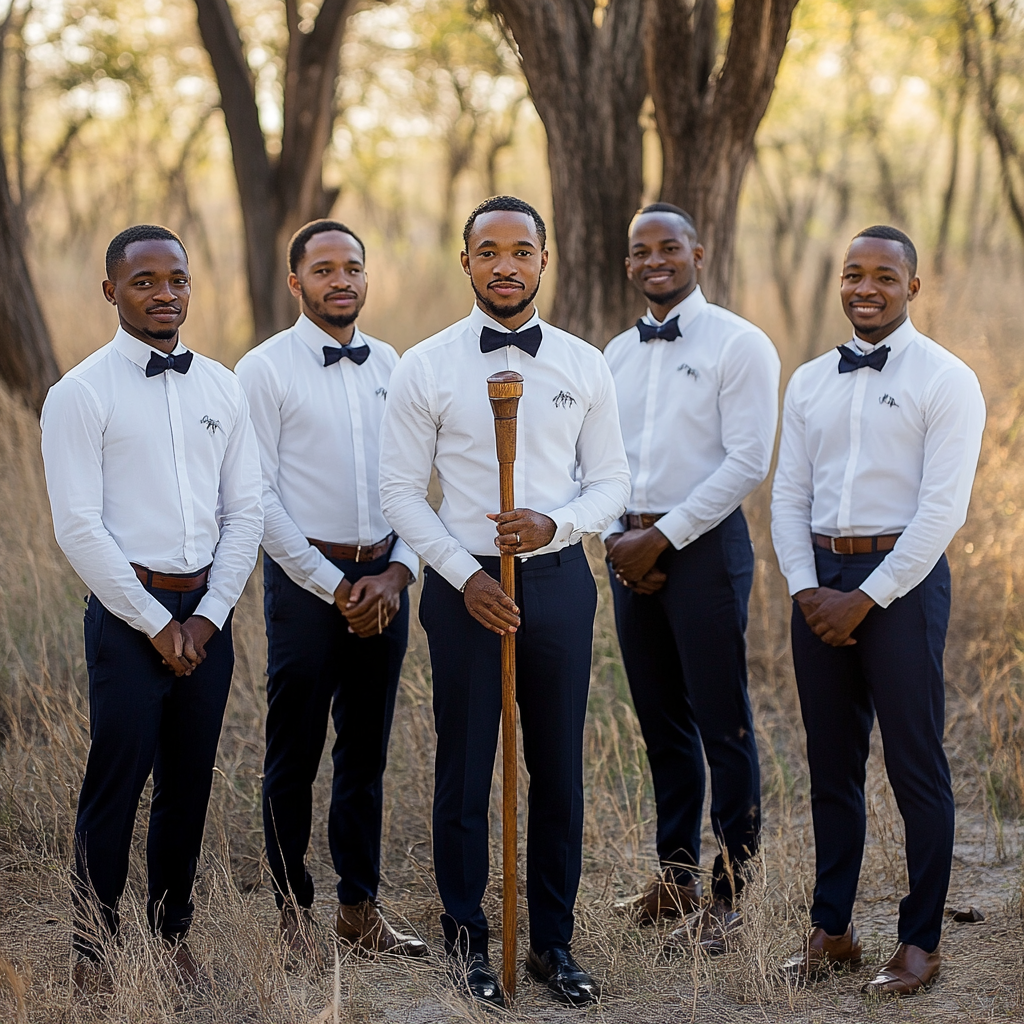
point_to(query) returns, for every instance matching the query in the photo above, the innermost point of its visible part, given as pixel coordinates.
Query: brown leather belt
(354, 552)
(643, 521)
(182, 584)
(856, 545)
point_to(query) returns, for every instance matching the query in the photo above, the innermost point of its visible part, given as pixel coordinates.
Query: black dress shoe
(565, 978)
(475, 975)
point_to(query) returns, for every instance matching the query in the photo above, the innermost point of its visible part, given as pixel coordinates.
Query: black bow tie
(357, 353)
(158, 364)
(850, 361)
(528, 340)
(668, 331)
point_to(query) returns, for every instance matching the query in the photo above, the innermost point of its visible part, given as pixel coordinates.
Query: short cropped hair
(891, 234)
(299, 241)
(509, 204)
(691, 224)
(117, 250)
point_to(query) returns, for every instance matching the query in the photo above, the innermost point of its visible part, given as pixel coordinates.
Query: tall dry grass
(43, 733)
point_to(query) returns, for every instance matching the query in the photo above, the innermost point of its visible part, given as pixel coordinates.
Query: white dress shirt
(161, 471)
(869, 452)
(319, 435)
(698, 416)
(570, 464)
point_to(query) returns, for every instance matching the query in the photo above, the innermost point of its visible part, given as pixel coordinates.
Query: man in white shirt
(698, 392)
(335, 580)
(571, 478)
(154, 481)
(877, 459)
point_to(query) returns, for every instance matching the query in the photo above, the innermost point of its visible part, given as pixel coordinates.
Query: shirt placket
(188, 519)
(355, 415)
(643, 475)
(845, 515)
(514, 361)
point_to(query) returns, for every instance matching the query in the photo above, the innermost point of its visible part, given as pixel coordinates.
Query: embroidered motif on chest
(690, 371)
(383, 392)
(563, 400)
(889, 401)
(211, 424)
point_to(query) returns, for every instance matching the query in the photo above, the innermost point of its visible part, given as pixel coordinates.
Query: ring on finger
(518, 541)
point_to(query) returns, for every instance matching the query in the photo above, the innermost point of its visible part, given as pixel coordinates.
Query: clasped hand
(182, 645)
(372, 602)
(833, 614)
(633, 555)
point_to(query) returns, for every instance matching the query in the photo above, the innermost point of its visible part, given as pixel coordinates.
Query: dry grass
(43, 730)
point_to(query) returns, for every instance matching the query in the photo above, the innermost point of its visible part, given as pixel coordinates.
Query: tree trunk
(707, 117)
(277, 195)
(27, 363)
(585, 71)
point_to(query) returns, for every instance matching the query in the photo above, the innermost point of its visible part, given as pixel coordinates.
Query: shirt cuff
(459, 568)
(407, 557)
(678, 528)
(565, 529)
(327, 577)
(153, 619)
(213, 608)
(617, 527)
(802, 579)
(881, 587)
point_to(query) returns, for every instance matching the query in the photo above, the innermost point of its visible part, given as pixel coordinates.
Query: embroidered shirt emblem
(889, 401)
(211, 424)
(383, 392)
(563, 400)
(690, 371)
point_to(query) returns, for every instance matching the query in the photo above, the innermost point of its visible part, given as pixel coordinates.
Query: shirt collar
(316, 337)
(687, 310)
(478, 319)
(897, 341)
(138, 351)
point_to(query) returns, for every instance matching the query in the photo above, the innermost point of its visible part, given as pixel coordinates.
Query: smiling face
(876, 287)
(330, 282)
(151, 288)
(504, 261)
(664, 257)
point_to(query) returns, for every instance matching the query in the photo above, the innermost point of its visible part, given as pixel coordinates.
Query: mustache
(341, 291)
(506, 281)
(163, 307)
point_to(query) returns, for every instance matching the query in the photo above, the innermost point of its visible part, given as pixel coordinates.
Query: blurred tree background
(907, 111)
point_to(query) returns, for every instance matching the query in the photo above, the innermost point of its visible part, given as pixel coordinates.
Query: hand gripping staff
(504, 390)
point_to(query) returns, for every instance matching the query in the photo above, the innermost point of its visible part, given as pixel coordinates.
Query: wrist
(400, 573)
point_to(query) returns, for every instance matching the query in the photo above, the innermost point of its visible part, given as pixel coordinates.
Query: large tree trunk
(277, 195)
(27, 363)
(707, 117)
(587, 82)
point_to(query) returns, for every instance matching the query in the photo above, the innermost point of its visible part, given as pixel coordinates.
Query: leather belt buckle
(832, 546)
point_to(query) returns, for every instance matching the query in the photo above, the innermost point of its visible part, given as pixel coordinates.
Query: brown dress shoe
(714, 930)
(91, 978)
(910, 969)
(364, 927)
(659, 900)
(821, 951)
(185, 968)
(295, 928)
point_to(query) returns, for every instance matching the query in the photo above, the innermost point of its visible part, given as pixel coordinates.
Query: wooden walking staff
(504, 390)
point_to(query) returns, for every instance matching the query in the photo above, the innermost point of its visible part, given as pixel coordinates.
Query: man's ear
(464, 258)
(543, 260)
(913, 289)
(108, 292)
(294, 287)
(698, 256)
